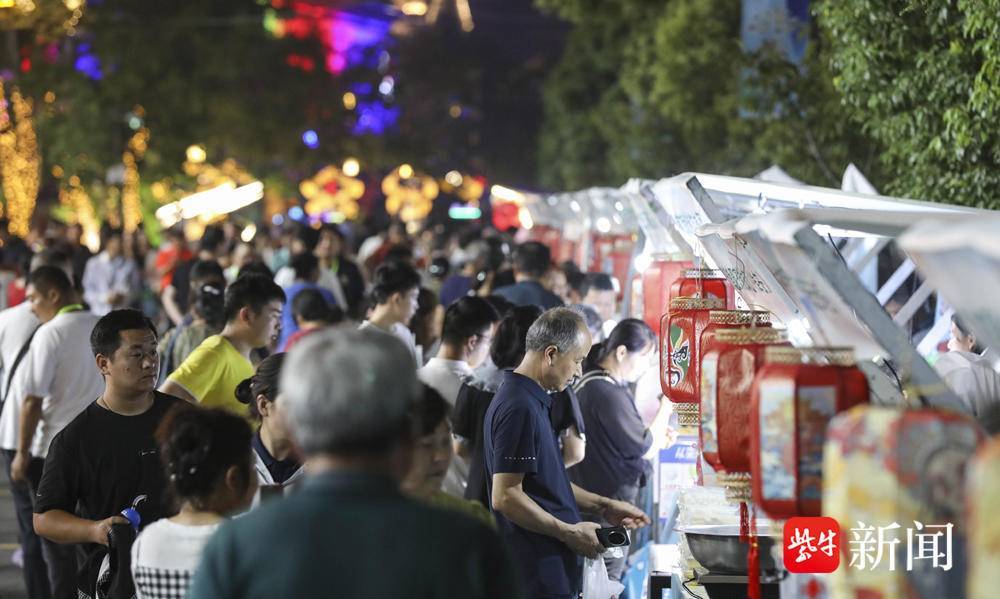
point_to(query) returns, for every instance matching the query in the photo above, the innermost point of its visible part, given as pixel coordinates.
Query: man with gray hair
(536, 506)
(349, 532)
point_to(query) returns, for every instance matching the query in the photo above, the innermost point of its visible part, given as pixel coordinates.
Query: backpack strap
(593, 375)
(17, 362)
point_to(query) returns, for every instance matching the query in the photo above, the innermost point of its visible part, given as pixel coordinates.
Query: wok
(717, 548)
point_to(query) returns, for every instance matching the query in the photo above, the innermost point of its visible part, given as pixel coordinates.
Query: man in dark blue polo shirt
(536, 506)
(531, 262)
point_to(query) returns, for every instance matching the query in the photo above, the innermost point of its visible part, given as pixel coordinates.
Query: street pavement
(11, 581)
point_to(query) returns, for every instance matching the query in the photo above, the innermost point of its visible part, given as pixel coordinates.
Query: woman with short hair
(432, 455)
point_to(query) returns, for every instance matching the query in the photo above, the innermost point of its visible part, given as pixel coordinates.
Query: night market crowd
(317, 411)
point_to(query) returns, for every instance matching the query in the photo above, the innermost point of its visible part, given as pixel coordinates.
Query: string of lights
(80, 210)
(131, 203)
(48, 19)
(19, 160)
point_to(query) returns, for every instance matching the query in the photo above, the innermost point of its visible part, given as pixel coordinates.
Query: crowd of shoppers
(414, 439)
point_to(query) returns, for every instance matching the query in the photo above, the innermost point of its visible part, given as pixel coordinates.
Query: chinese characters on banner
(813, 545)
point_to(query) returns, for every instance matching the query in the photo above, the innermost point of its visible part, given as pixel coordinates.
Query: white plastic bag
(596, 584)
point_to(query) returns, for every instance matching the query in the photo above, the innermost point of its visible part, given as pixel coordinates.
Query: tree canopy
(923, 77)
(906, 90)
(210, 73)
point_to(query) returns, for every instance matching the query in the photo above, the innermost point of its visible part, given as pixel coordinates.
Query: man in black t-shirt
(107, 456)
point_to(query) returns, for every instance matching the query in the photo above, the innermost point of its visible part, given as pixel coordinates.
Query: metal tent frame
(776, 244)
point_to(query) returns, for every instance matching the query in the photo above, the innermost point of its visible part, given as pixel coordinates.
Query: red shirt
(298, 336)
(15, 294)
(168, 257)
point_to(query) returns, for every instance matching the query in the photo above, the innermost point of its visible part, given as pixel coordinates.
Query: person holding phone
(538, 509)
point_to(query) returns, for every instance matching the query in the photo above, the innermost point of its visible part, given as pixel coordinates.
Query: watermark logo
(871, 545)
(812, 545)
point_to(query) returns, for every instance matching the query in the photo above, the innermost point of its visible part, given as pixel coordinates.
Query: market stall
(803, 256)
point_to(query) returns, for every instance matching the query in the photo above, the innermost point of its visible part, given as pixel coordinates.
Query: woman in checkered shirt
(206, 453)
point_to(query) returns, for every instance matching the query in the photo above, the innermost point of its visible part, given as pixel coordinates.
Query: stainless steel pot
(719, 550)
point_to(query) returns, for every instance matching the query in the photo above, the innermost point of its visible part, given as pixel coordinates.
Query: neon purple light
(347, 35)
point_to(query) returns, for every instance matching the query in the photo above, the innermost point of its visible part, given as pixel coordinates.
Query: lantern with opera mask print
(795, 394)
(680, 336)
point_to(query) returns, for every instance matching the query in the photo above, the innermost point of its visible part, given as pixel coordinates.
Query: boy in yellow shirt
(209, 375)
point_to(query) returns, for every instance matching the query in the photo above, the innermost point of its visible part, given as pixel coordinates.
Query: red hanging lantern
(601, 248)
(656, 282)
(706, 283)
(729, 363)
(887, 465)
(613, 254)
(691, 321)
(621, 261)
(721, 337)
(795, 395)
(680, 335)
(506, 215)
(727, 319)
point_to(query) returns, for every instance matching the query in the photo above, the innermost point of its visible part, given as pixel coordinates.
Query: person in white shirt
(206, 453)
(971, 376)
(395, 289)
(57, 381)
(111, 279)
(465, 342)
(17, 328)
